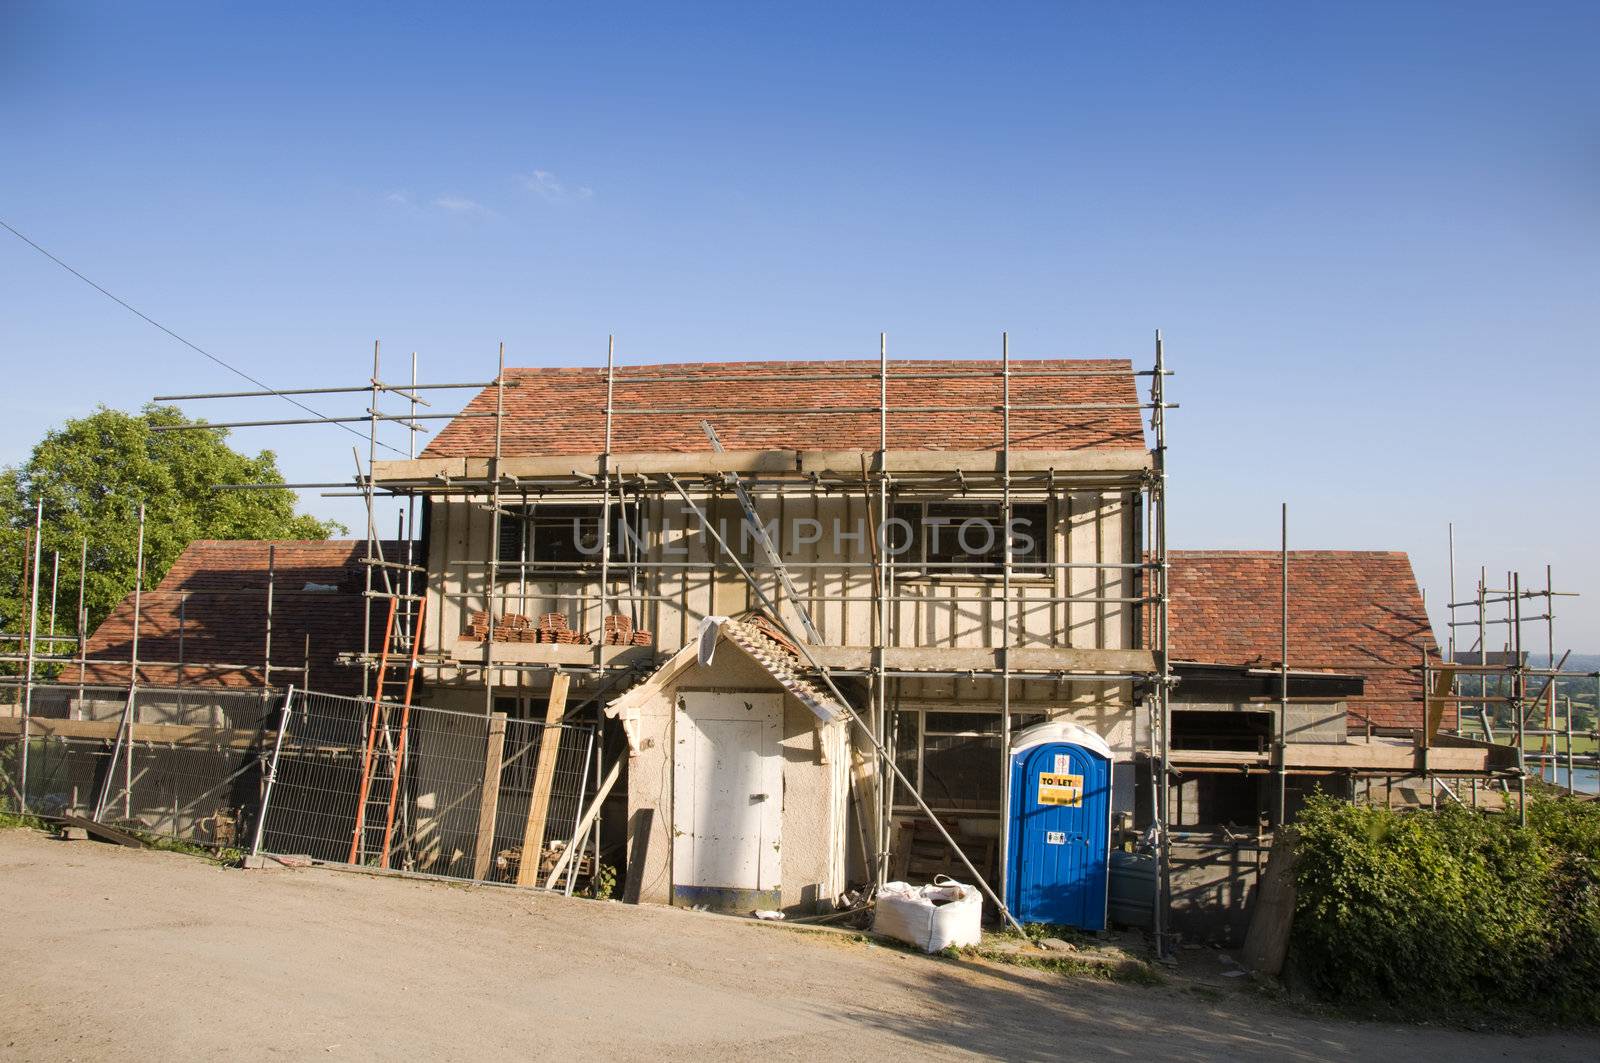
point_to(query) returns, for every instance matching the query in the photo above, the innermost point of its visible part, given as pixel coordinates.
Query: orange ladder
(385, 755)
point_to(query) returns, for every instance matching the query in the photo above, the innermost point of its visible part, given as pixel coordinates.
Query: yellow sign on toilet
(1060, 789)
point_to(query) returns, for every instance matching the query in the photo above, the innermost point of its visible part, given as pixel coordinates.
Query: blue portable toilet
(1060, 830)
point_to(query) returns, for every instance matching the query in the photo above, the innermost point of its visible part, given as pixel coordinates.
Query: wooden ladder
(384, 758)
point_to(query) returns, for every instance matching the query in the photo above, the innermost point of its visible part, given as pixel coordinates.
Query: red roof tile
(1352, 611)
(562, 411)
(210, 610)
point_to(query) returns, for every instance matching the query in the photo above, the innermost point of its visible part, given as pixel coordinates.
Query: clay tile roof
(213, 602)
(562, 411)
(1352, 611)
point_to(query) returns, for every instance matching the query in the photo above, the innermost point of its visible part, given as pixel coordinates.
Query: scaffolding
(496, 488)
(65, 663)
(1492, 675)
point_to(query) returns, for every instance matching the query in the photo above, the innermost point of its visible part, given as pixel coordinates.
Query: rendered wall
(812, 831)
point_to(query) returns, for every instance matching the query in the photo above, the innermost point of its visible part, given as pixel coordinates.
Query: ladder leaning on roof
(384, 756)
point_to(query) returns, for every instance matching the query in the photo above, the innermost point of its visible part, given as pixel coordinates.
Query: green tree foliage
(91, 475)
(1453, 913)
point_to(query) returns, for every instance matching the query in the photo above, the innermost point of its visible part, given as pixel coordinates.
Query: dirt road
(109, 953)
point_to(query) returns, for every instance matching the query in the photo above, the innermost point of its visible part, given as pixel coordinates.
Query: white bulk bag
(932, 918)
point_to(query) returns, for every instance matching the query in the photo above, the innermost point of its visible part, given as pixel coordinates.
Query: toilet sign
(1055, 837)
(1060, 788)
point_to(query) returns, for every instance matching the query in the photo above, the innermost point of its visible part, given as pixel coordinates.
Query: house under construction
(768, 628)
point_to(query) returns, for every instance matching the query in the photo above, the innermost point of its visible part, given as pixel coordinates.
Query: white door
(727, 790)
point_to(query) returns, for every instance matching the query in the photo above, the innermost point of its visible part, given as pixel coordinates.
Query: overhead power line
(187, 343)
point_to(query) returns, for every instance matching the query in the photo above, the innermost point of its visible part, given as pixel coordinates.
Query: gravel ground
(111, 953)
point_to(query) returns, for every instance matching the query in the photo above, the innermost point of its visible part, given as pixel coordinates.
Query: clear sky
(1367, 231)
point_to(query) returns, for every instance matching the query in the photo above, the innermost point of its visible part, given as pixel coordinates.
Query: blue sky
(1368, 232)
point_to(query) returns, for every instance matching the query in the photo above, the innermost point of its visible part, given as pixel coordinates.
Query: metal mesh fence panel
(431, 790)
(179, 763)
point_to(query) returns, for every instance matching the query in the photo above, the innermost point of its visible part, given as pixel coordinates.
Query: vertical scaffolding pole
(1003, 872)
(604, 531)
(124, 742)
(1454, 690)
(1164, 675)
(1519, 687)
(1483, 659)
(411, 507)
(1451, 611)
(1283, 679)
(605, 576)
(494, 537)
(1548, 742)
(372, 533)
(33, 633)
(882, 807)
(272, 582)
(133, 674)
(83, 617)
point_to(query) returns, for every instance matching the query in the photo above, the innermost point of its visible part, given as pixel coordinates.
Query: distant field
(1535, 743)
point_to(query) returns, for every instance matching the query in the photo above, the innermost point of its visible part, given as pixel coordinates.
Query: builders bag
(932, 918)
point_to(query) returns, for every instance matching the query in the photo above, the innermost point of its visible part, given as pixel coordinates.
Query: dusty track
(109, 953)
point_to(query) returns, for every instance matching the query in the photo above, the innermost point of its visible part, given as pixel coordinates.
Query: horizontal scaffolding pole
(403, 390)
(630, 375)
(102, 662)
(403, 419)
(514, 594)
(914, 567)
(800, 410)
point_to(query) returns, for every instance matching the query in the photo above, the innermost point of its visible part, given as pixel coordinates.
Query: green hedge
(1451, 913)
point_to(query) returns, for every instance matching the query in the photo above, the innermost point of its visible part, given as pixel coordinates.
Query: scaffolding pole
(1004, 869)
(1164, 674)
(33, 645)
(123, 747)
(883, 799)
(493, 589)
(1280, 818)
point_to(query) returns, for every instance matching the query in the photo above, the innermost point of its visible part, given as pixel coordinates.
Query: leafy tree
(92, 473)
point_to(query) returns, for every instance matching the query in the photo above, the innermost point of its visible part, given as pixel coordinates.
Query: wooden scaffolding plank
(489, 802)
(544, 774)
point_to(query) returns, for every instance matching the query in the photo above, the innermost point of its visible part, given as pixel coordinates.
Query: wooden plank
(1086, 460)
(583, 824)
(1266, 943)
(489, 802)
(470, 651)
(103, 832)
(1377, 755)
(964, 659)
(544, 774)
(1108, 460)
(644, 821)
(1439, 699)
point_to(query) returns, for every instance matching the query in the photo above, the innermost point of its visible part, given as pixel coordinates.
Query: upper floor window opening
(562, 540)
(969, 538)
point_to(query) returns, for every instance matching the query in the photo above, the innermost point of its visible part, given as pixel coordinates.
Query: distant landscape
(1580, 692)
